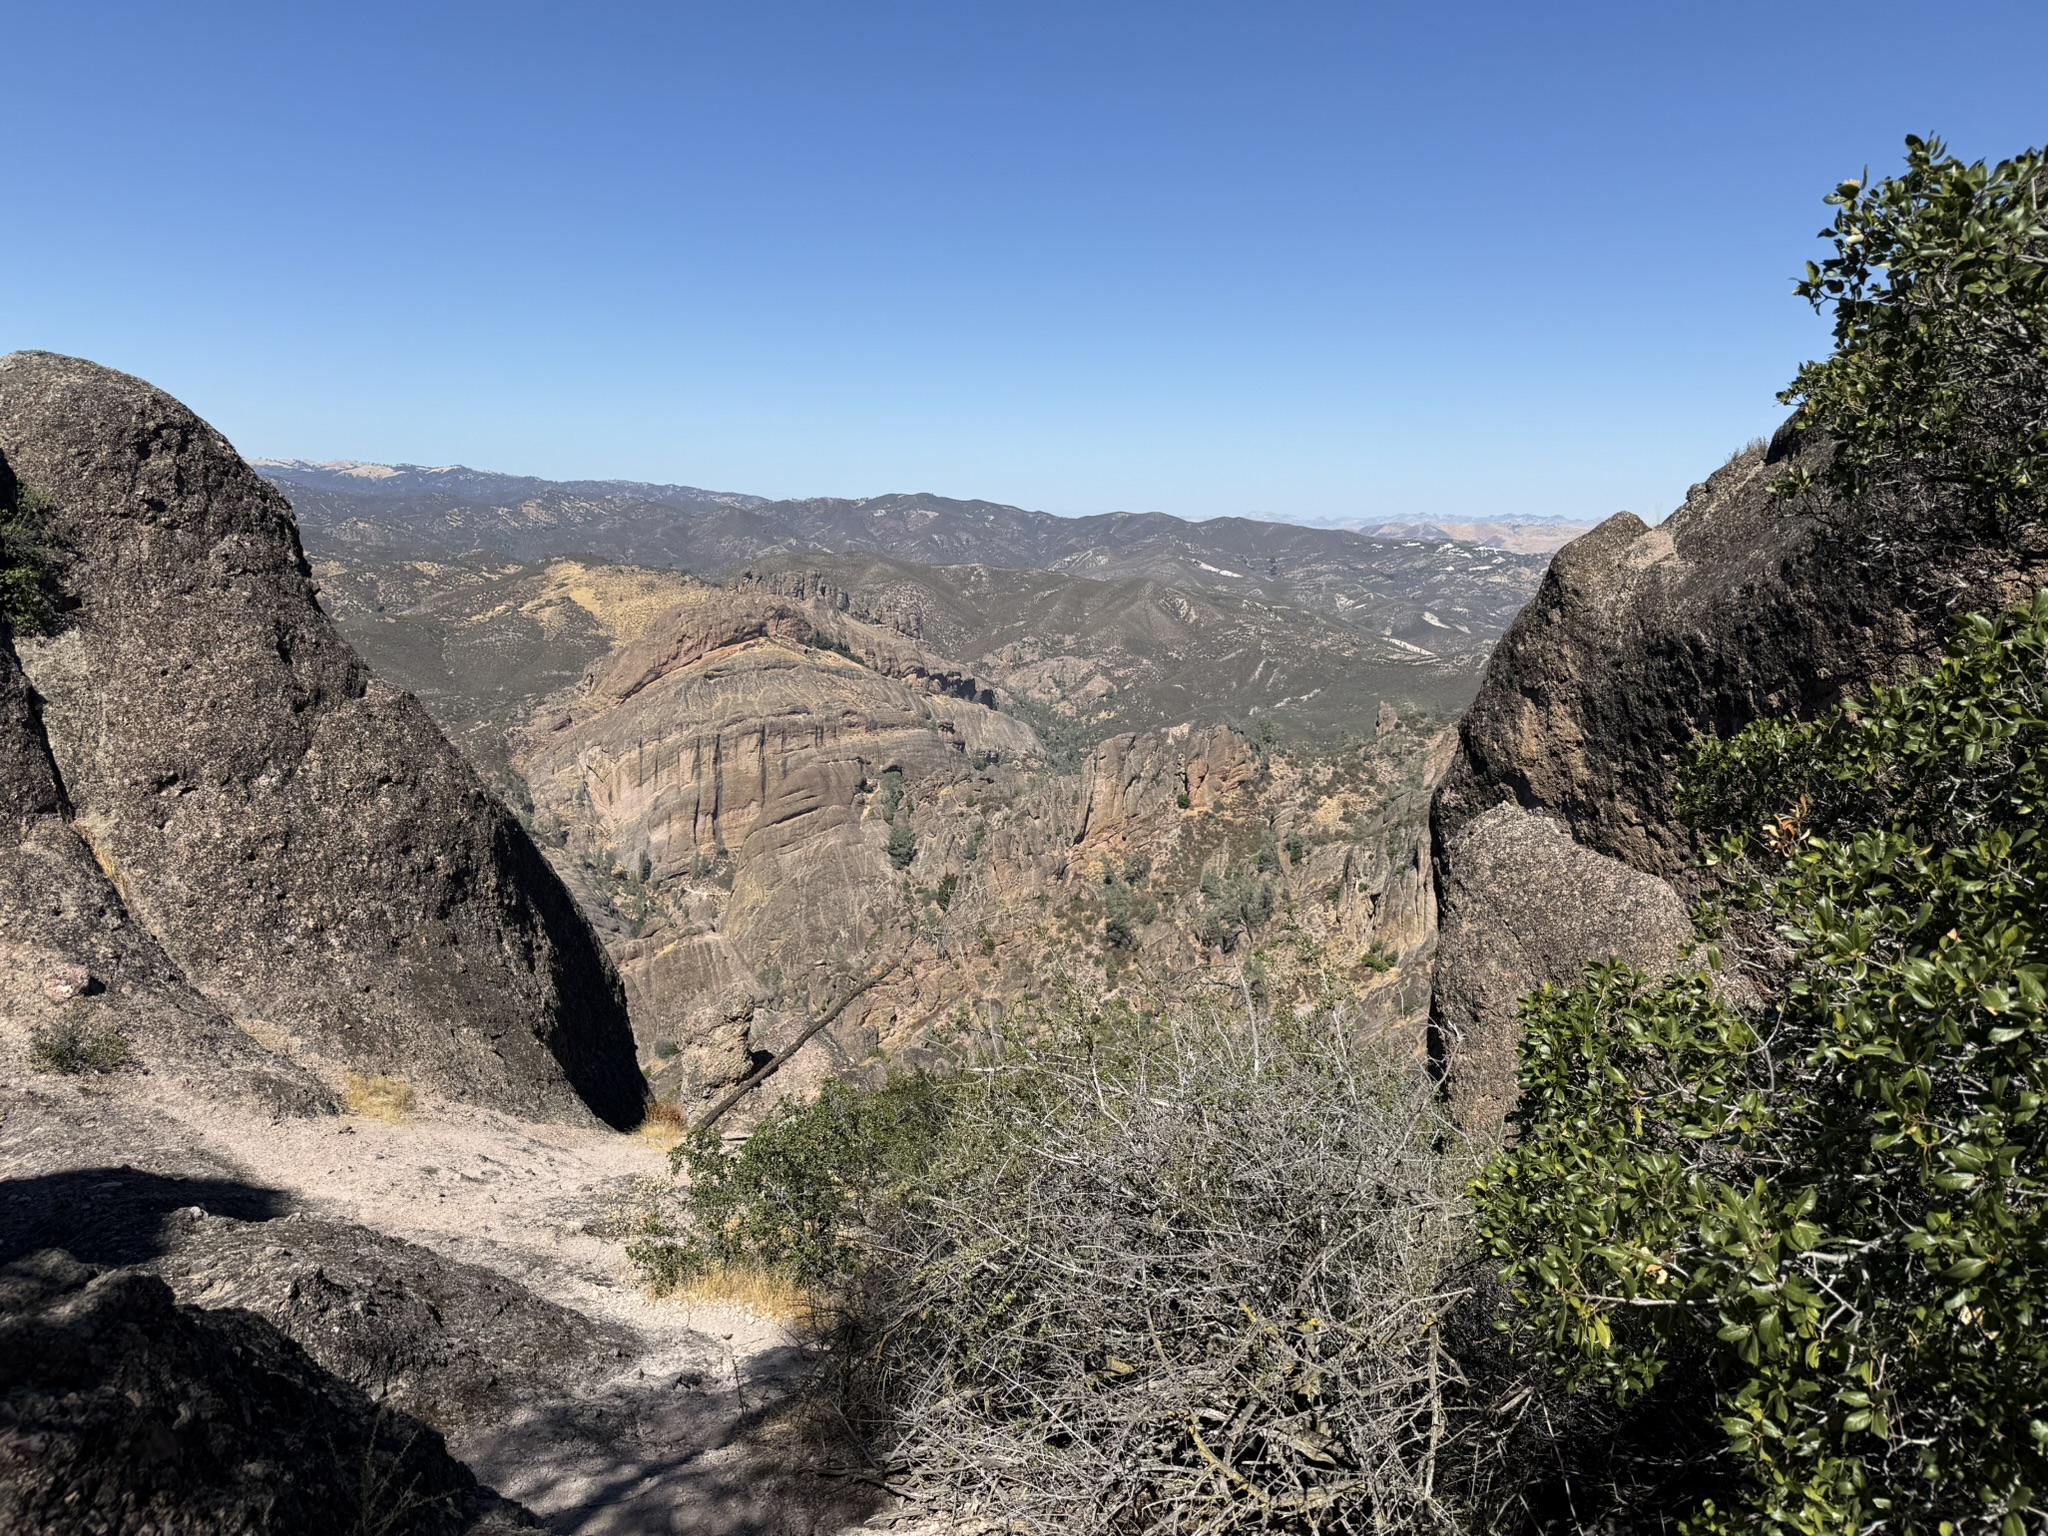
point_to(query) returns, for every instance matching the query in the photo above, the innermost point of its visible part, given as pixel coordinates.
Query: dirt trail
(684, 1438)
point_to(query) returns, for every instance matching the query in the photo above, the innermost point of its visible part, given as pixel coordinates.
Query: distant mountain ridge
(1435, 597)
(1517, 538)
(356, 477)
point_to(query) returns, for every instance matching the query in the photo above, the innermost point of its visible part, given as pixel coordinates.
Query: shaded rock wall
(123, 1412)
(298, 840)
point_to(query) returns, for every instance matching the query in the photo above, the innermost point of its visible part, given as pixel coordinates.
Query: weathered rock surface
(124, 1412)
(1012, 877)
(298, 840)
(725, 787)
(730, 747)
(1740, 604)
(72, 956)
(1520, 905)
(450, 1343)
(455, 1344)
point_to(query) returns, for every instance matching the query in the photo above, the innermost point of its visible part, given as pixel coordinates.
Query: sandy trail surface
(684, 1430)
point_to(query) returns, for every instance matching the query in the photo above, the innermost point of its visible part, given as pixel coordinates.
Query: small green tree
(1236, 904)
(902, 845)
(1119, 932)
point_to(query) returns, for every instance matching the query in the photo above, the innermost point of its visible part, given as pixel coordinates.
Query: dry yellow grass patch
(377, 1098)
(666, 1125)
(624, 600)
(761, 1291)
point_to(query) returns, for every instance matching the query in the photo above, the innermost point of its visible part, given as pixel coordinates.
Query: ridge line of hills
(457, 482)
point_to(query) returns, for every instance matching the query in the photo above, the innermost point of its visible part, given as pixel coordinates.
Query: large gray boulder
(73, 958)
(1641, 640)
(1520, 905)
(299, 840)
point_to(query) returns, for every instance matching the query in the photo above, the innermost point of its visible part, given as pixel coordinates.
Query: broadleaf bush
(1830, 1213)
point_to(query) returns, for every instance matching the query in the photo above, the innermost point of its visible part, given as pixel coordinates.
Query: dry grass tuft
(377, 1098)
(763, 1292)
(665, 1125)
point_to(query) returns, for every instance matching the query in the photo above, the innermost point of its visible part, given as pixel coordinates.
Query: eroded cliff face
(274, 836)
(1555, 835)
(767, 798)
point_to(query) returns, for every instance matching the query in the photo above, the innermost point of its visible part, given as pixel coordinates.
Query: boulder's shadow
(115, 1216)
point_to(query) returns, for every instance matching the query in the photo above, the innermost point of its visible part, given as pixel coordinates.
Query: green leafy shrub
(1829, 1212)
(1236, 903)
(1935, 396)
(1119, 931)
(795, 1195)
(901, 846)
(72, 1044)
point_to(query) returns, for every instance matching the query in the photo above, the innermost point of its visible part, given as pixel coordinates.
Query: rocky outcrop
(124, 1413)
(728, 755)
(297, 840)
(449, 1343)
(1741, 604)
(775, 798)
(1520, 905)
(71, 955)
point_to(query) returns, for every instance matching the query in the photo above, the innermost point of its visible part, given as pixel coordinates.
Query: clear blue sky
(1296, 259)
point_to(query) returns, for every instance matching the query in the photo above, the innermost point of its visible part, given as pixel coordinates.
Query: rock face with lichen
(1555, 837)
(282, 841)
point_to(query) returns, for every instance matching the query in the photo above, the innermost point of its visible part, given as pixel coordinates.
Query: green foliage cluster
(627, 889)
(820, 641)
(26, 556)
(1128, 902)
(901, 844)
(1936, 394)
(797, 1193)
(1829, 1212)
(72, 1044)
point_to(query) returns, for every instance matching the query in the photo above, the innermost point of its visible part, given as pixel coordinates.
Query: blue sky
(1292, 259)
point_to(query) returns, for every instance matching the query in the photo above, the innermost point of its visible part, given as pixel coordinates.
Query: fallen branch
(773, 1064)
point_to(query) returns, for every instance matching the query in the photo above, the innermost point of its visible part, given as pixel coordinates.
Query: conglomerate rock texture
(297, 840)
(1741, 604)
(1519, 905)
(72, 956)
